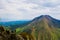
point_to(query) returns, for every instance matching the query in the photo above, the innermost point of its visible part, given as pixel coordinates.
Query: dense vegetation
(6, 34)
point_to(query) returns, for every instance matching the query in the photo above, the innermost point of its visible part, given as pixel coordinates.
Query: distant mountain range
(14, 24)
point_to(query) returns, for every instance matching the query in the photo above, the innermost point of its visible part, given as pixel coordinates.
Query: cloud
(45, 2)
(28, 9)
(49, 7)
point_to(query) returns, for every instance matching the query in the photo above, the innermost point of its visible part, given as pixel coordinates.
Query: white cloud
(28, 9)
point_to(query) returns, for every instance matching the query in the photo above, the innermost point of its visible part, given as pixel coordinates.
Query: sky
(12, 10)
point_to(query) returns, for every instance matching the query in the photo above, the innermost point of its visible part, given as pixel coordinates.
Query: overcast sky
(12, 10)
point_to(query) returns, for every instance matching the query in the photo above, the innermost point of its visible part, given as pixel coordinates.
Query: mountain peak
(46, 17)
(43, 17)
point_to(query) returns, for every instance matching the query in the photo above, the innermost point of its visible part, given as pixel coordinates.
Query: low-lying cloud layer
(28, 9)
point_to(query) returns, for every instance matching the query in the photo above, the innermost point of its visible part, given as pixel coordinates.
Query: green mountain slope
(44, 28)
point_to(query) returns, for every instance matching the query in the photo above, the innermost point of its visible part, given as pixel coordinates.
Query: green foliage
(19, 30)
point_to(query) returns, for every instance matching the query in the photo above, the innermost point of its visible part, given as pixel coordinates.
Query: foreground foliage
(11, 35)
